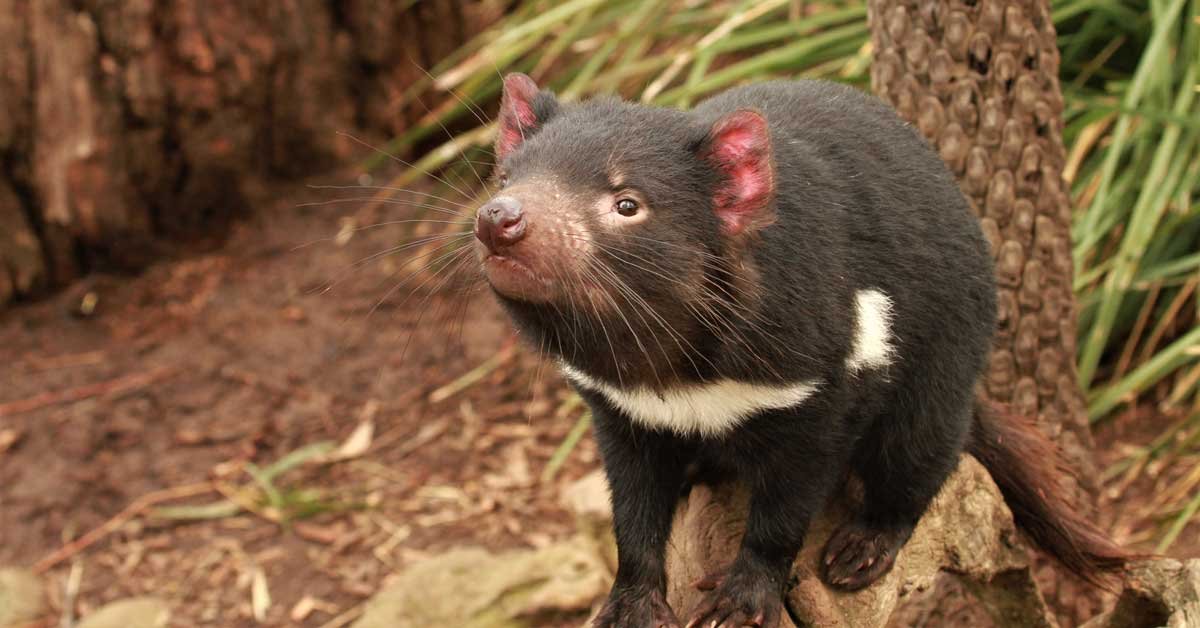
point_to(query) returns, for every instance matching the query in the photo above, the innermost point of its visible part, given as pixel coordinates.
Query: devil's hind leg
(904, 457)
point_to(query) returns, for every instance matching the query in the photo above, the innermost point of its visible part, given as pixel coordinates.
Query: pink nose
(500, 223)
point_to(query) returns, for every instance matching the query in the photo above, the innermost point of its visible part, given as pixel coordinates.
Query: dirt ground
(182, 378)
(176, 387)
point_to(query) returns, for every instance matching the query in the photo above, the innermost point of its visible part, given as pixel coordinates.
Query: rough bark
(968, 531)
(966, 538)
(1163, 592)
(126, 127)
(979, 78)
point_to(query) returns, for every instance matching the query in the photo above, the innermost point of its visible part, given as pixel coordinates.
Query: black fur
(860, 202)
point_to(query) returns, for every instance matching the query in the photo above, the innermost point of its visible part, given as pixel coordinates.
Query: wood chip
(426, 435)
(8, 438)
(260, 595)
(327, 535)
(303, 608)
(357, 443)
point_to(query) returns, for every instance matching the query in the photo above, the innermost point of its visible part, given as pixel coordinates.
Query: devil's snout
(500, 223)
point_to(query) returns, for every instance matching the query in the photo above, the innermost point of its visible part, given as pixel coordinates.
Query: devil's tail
(1027, 466)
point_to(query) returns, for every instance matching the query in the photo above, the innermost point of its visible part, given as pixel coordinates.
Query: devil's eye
(627, 207)
(503, 179)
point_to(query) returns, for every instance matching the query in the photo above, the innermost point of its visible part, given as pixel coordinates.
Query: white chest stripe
(873, 332)
(705, 409)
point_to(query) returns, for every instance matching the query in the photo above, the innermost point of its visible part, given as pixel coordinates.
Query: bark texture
(128, 126)
(967, 531)
(979, 78)
(967, 534)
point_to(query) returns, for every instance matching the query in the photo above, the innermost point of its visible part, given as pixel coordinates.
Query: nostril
(508, 219)
(511, 232)
(501, 222)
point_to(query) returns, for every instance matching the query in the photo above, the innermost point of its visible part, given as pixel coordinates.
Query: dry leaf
(260, 595)
(8, 437)
(303, 608)
(357, 443)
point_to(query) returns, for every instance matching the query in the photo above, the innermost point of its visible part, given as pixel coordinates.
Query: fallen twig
(118, 520)
(72, 395)
(469, 378)
(566, 447)
(69, 360)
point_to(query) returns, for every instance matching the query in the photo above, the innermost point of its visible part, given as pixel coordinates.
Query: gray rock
(21, 598)
(588, 497)
(135, 612)
(474, 588)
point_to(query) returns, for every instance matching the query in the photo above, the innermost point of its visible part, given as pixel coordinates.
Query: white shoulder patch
(873, 331)
(704, 409)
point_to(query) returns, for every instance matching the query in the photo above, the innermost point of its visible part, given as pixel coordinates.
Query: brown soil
(199, 367)
(187, 376)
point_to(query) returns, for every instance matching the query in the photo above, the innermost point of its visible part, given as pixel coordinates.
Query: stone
(21, 598)
(475, 588)
(589, 497)
(136, 612)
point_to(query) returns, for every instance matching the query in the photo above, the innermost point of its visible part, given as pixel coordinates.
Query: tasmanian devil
(784, 285)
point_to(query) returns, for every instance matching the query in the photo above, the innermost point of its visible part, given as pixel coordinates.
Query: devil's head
(618, 236)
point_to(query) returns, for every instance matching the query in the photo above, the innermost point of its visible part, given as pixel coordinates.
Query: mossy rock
(474, 588)
(136, 612)
(21, 597)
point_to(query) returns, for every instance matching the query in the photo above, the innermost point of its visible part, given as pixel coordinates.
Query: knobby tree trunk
(979, 78)
(126, 127)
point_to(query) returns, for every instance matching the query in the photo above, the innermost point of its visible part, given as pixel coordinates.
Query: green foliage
(1132, 119)
(264, 496)
(1132, 128)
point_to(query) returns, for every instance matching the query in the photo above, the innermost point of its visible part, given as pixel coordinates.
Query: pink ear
(516, 113)
(739, 147)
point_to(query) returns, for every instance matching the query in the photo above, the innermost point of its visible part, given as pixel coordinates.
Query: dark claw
(859, 554)
(736, 600)
(635, 609)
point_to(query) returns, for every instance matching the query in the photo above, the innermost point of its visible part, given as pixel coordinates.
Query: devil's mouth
(504, 263)
(515, 279)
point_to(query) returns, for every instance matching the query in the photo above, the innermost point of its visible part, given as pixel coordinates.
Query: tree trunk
(126, 127)
(979, 78)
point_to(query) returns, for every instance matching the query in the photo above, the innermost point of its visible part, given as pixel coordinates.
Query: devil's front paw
(631, 608)
(737, 599)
